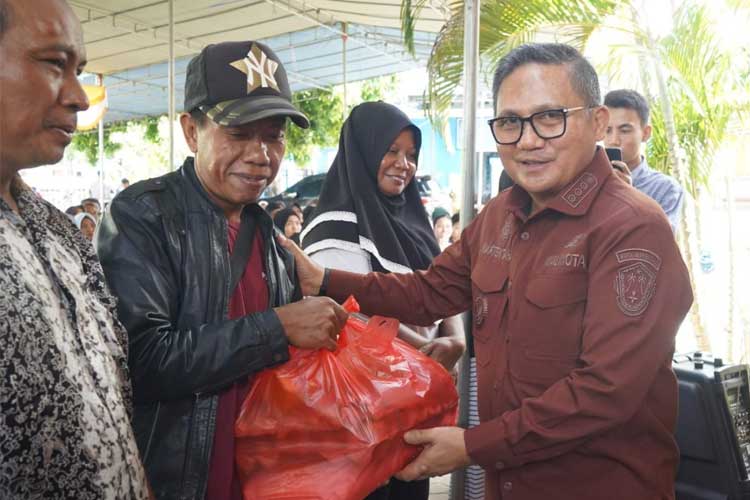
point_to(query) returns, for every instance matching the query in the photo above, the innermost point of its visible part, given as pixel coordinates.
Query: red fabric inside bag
(330, 425)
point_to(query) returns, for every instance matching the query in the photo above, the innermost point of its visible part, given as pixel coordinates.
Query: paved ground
(440, 487)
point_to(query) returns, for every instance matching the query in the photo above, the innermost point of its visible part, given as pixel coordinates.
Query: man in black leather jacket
(165, 248)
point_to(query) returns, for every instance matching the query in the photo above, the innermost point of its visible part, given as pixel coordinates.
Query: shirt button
(524, 236)
(499, 465)
(507, 486)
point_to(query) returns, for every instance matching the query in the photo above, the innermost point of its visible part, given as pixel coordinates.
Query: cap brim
(240, 111)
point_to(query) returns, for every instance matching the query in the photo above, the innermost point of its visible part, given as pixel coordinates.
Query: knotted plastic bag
(330, 425)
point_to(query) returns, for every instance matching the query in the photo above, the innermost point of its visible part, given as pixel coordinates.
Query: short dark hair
(583, 76)
(86, 201)
(273, 205)
(124, 180)
(199, 117)
(629, 99)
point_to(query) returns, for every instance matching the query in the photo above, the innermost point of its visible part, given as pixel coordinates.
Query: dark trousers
(402, 490)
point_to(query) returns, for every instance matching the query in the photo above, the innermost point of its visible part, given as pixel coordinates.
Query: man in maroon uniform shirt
(577, 290)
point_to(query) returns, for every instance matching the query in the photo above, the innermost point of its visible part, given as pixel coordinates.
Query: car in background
(303, 192)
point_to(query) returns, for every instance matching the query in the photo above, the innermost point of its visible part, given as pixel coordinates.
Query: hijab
(353, 213)
(282, 216)
(78, 219)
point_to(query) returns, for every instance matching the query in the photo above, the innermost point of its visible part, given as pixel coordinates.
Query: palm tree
(699, 85)
(693, 107)
(503, 25)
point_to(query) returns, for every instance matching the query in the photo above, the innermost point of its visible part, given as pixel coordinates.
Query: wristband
(323, 290)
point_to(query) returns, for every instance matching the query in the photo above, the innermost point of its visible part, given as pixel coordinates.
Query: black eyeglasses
(547, 124)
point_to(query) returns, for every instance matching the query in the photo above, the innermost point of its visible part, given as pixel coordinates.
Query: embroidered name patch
(580, 189)
(567, 260)
(496, 252)
(635, 282)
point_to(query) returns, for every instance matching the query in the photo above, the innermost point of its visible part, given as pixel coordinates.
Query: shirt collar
(640, 170)
(577, 196)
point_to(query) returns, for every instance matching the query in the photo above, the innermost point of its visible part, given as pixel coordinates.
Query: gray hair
(583, 76)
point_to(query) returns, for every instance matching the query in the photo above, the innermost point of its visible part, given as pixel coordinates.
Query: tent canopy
(128, 42)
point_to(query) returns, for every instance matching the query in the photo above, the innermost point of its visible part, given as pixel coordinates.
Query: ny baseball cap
(235, 83)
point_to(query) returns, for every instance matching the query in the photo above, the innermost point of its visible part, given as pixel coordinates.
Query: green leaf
(503, 25)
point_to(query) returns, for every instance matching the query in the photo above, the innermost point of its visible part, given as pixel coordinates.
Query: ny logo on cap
(260, 70)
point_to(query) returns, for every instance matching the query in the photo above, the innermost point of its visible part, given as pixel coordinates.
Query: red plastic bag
(330, 425)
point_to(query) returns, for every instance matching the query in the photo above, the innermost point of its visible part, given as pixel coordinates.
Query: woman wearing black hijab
(370, 217)
(289, 223)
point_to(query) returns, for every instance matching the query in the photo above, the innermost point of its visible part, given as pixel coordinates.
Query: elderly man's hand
(310, 274)
(444, 451)
(312, 323)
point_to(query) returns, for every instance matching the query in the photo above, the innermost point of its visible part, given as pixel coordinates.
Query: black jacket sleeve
(167, 362)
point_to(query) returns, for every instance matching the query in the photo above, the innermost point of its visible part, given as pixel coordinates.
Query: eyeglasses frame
(564, 111)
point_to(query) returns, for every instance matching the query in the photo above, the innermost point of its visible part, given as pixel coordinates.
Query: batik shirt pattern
(64, 393)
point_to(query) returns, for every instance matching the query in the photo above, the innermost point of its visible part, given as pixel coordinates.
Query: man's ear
(190, 131)
(601, 121)
(646, 133)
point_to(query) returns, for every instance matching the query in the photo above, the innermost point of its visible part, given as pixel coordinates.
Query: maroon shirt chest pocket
(490, 297)
(549, 328)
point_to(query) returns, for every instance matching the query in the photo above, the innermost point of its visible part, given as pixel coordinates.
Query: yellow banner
(97, 107)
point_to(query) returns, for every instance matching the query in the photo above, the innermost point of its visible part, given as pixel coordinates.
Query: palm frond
(703, 85)
(410, 12)
(503, 25)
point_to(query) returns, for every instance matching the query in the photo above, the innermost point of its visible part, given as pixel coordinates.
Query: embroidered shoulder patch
(635, 282)
(580, 189)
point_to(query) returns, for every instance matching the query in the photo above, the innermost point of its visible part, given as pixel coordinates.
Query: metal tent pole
(344, 37)
(100, 82)
(471, 67)
(171, 85)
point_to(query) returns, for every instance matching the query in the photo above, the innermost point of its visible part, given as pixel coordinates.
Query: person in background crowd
(297, 208)
(456, 227)
(92, 206)
(370, 217)
(124, 184)
(274, 206)
(206, 294)
(289, 223)
(65, 395)
(87, 224)
(442, 227)
(628, 129)
(577, 290)
(73, 211)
